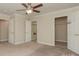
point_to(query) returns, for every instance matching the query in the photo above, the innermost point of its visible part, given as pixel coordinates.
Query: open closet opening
(4, 34)
(61, 31)
(34, 31)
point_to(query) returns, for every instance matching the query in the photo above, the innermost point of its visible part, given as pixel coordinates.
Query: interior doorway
(61, 31)
(34, 31)
(4, 30)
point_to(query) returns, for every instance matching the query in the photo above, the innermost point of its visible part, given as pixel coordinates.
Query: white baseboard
(4, 40)
(73, 50)
(27, 41)
(18, 42)
(60, 41)
(46, 43)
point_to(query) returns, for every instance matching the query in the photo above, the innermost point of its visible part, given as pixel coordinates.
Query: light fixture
(29, 11)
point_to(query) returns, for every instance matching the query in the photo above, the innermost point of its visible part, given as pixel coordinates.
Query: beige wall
(4, 16)
(17, 29)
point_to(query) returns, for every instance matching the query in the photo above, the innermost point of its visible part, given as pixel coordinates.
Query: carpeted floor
(34, 49)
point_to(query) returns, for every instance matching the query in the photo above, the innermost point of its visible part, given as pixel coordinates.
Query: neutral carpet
(34, 49)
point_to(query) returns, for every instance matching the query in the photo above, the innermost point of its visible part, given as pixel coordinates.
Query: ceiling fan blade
(21, 10)
(24, 5)
(36, 11)
(39, 5)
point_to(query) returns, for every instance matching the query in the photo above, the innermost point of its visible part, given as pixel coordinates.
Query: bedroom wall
(19, 29)
(16, 29)
(46, 29)
(4, 16)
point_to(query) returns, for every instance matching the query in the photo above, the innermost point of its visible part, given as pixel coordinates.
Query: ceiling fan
(29, 9)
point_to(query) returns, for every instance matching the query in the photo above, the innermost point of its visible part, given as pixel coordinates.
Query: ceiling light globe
(29, 11)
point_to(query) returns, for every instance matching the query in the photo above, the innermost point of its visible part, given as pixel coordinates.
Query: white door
(76, 34)
(28, 30)
(73, 37)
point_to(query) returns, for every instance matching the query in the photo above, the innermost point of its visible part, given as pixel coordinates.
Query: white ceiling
(10, 8)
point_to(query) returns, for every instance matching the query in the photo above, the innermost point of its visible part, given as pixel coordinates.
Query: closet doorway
(34, 31)
(4, 30)
(61, 31)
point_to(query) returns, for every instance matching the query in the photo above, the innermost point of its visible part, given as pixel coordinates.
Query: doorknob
(34, 33)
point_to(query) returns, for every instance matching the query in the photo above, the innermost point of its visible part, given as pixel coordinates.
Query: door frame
(31, 29)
